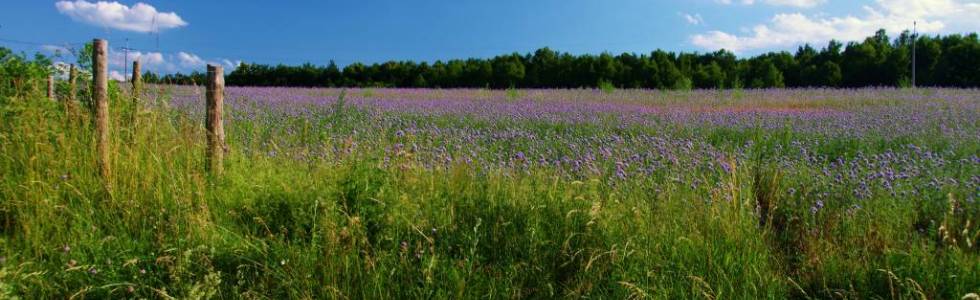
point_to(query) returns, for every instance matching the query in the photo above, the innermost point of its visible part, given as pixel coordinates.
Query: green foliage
(905, 82)
(683, 84)
(513, 94)
(606, 86)
(738, 92)
(84, 57)
(829, 75)
(876, 61)
(366, 93)
(20, 76)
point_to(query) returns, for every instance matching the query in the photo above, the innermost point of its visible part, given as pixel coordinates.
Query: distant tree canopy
(950, 61)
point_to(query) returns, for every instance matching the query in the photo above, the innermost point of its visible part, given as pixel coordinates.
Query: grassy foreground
(369, 217)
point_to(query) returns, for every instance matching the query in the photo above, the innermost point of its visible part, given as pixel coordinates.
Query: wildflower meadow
(477, 193)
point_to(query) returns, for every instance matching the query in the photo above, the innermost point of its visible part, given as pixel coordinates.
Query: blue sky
(192, 33)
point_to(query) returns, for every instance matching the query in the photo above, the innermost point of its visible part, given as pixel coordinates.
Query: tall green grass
(351, 226)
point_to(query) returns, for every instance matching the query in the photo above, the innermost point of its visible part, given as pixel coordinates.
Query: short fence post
(137, 82)
(51, 87)
(100, 101)
(69, 99)
(72, 77)
(213, 120)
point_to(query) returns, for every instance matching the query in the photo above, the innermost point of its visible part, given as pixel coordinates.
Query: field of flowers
(472, 193)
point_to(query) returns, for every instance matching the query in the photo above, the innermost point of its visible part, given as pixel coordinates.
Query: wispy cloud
(694, 19)
(794, 3)
(55, 50)
(230, 65)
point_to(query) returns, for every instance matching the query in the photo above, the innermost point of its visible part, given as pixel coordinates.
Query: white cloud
(784, 30)
(694, 19)
(230, 65)
(196, 63)
(57, 50)
(61, 70)
(795, 3)
(117, 76)
(141, 17)
(148, 59)
(189, 60)
(162, 63)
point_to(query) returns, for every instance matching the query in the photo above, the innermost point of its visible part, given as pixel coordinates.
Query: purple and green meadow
(474, 193)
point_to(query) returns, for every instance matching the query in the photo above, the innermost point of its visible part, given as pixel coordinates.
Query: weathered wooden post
(70, 98)
(100, 100)
(137, 82)
(213, 121)
(51, 87)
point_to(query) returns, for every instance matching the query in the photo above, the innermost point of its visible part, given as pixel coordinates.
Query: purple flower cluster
(848, 144)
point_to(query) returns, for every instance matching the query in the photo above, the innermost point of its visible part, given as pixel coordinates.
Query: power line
(13, 41)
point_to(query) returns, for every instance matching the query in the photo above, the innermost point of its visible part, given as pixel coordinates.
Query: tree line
(948, 61)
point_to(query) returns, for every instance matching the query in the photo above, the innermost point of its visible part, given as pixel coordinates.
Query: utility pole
(914, 32)
(126, 59)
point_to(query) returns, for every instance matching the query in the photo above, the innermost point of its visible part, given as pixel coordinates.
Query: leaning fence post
(100, 100)
(213, 120)
(51, 87)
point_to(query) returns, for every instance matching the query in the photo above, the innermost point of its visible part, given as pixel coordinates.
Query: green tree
(875, 61)
(963, 62)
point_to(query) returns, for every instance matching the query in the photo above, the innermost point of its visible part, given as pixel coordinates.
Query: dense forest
(949, 61)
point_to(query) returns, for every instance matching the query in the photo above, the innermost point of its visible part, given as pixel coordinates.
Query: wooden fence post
(213, 121)
(70, 98)
(51, 87)
(137, 82)
(100, 100)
